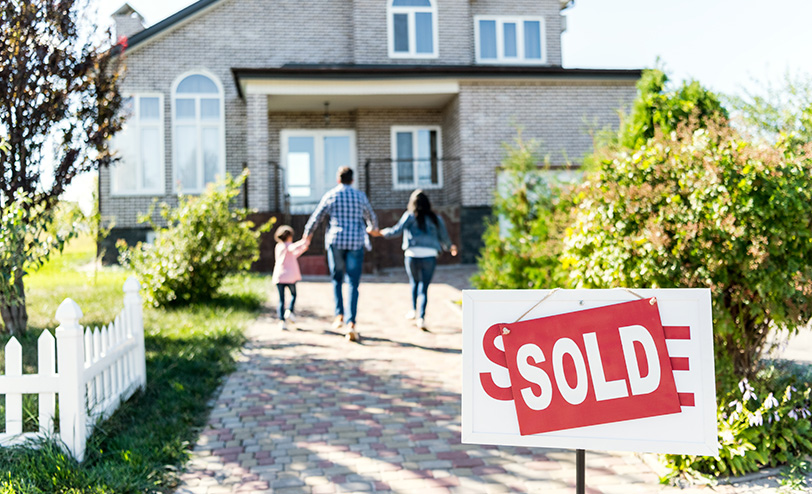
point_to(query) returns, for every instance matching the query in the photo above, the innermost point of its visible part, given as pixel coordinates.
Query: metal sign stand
(580, 471)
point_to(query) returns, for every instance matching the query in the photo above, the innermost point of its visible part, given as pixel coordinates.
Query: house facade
(410, 93)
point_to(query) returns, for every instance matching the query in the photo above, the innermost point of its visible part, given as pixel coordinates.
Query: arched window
(412, 28)
(198, 132)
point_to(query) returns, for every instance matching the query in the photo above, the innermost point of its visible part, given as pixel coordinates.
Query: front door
(311, 159)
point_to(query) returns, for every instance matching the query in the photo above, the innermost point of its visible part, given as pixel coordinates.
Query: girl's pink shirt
(286, 266)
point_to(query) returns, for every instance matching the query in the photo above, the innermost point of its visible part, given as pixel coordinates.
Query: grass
(146, 442)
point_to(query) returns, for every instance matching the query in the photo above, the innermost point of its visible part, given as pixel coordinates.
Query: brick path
(307, 412)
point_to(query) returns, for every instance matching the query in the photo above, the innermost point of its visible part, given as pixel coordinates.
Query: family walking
(351, 219)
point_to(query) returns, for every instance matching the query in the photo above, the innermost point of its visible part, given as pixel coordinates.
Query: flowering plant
(762, 422)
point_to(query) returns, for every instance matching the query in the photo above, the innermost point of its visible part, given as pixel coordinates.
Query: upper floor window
(140, 145)
(416, 156)
(518, 40)
(198, 132)
(412, 28)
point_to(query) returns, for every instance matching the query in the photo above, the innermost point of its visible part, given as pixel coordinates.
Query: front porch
(398, 134)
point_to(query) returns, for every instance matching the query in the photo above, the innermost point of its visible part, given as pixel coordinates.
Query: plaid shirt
(349, 212)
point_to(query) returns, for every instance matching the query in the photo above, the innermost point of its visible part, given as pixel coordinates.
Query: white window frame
(201, 187)
(318, 180)
(411, 11)
(519, 59)
(394, 152)
(134, 132)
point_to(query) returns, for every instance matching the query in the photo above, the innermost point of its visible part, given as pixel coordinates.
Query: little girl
(286, 270)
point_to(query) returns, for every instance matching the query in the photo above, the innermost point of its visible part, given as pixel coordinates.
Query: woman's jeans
(292, 289)
(349, 262)
(420, 271)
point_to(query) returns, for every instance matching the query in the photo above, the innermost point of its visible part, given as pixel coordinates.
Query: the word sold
(582, 368)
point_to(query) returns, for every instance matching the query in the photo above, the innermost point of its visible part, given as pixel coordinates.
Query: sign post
(590, 369)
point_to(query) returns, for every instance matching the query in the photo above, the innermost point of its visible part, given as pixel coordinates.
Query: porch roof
(305, 86)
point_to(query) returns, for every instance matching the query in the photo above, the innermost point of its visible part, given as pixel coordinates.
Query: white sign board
(590, 374)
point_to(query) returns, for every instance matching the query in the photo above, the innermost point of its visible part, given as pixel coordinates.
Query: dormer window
(510, 40)
(412, 28)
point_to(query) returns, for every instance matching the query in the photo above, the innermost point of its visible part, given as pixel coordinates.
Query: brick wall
(559, 115)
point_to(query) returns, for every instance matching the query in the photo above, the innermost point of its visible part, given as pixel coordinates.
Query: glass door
(311, 159)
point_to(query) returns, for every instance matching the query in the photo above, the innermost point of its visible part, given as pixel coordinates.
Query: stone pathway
(308, 412)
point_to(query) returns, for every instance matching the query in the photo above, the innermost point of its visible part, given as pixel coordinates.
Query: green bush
(205, 240)
(523, 238)
(703, 208)
(658, 109)
(762, 422)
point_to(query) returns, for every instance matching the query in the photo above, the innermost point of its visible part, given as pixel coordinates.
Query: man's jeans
(420, 271)
(343, 261)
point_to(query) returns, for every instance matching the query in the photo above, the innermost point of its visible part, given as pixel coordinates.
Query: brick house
(411, 93)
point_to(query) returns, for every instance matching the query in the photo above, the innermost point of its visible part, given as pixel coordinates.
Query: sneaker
(421, 324)
(338, 321)
(352, 334)
(411, 315)
(283, 325)
(289, 316)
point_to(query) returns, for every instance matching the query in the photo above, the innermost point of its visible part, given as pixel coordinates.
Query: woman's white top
(421, 252)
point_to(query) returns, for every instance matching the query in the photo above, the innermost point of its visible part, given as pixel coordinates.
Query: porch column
(257, 143)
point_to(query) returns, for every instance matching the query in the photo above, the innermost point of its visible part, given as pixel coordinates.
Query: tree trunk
(14, 313)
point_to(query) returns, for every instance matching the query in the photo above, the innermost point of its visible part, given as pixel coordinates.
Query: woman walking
(424, 237)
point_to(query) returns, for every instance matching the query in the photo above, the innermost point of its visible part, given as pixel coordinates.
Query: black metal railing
(435, 169)
(439, 170)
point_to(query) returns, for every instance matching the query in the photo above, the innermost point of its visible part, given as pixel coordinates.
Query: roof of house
(389, 71)
(199, 6)
(169, 22)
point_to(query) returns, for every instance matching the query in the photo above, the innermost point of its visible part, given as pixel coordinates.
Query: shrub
(762, 422)
(204, 241)
(657, 109)
(703, 208)
(522, 239)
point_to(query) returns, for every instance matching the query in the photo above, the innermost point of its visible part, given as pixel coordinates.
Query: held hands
(374, 232)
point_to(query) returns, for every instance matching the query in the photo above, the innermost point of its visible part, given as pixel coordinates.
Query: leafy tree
(28, 233)
(205, 240)
(522, 239)
(58, 99)
(704, 208)
(773, 110)
(656, 108)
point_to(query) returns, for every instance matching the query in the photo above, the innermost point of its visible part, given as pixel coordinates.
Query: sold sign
(588, 369)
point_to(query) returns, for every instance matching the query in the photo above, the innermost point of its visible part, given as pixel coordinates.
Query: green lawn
(189, 350)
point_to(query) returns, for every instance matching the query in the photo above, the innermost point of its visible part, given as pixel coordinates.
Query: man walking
(350, 213)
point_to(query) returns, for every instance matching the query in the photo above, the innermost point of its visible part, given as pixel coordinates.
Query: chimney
(128, 21)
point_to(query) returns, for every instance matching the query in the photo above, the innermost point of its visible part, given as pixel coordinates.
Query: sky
(727, 45)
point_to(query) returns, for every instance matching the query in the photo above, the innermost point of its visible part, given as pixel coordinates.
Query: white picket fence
(98, 368)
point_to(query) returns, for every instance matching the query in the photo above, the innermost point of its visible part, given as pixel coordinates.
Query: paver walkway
(308, 412)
